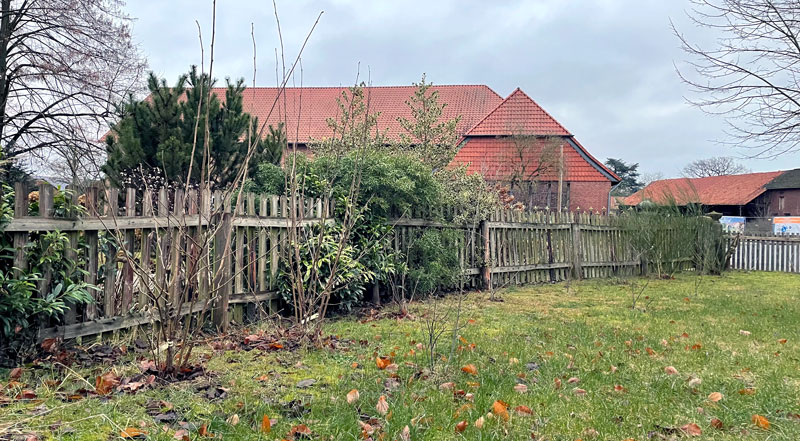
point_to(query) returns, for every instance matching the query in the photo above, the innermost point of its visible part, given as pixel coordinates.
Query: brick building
(512, 141)
(752, 195)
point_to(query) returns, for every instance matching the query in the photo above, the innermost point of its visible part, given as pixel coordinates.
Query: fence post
(222, 249)
(577, 251)
(92, 247)
(21, 238)
(486, 270)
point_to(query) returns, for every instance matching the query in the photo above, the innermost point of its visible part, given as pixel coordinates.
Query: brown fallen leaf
(760, 421)
(523, 410)
(266, 424)
(557, 383)
(132, 432)
(383, 406)
(447, 386)
(300, 429)
(470, 369)
(15, 373)
(405, 434)
(670, 370)
(714, 397)
(479, 422)
(233, 419)
(716, 423)
(461, 426)
(692, 429)
(579, 392)
(782, 341)
(747, 391)
(203, 431)
(382, 362)
(105, 383)
(619, 388)
(573, 380)
(352, 396)
(500, 409)
(743, 332)
(521, 388)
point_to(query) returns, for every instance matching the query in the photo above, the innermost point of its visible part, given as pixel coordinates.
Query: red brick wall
(577, 195)
(586, 195)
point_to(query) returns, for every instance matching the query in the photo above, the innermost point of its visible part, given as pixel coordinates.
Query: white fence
(767, 253)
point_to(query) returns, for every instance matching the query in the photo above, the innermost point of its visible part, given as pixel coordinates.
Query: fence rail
(156, 230)
(510, 247)
(767, 253)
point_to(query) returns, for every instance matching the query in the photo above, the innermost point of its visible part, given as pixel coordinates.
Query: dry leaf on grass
(470, 369)
(714, 397)
(352, 396)
(461, 426)
(521, 388)
(383, 406)
(692, 429)
(670, 370)
(132, 432)
(716, 423)
(266, 424)
(760, 421)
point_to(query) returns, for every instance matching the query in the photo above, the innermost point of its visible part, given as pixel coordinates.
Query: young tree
(434, 141)
(628, 174)
(63, 64)
(749, 75)
(716, 166)
(159, 134)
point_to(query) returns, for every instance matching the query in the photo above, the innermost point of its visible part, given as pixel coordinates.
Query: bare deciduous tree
(716, 166)
(63, 66)
(750, 74)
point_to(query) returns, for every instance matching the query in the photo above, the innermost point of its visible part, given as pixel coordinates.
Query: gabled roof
(790, 179)
(306, 110)
(517, 115)
(500, 159)
(714, 190)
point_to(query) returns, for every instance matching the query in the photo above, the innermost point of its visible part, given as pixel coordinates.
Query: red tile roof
(715, 190)
(498, 159)
(518, 115)
(308, 108)
(489, 148)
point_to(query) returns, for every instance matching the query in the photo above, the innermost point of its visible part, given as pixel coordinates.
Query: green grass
(578, 331)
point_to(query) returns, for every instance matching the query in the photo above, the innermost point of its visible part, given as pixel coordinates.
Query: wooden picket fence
(514, 247)
(766, 253)
(258, 227)
(511, 247)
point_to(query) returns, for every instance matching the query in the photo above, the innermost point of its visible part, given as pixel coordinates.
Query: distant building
(491, 129)
(754, 195)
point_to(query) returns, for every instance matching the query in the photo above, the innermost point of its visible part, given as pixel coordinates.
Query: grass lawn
(725, 335)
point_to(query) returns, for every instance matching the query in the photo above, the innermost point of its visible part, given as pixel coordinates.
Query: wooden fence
(766, 253)
(134, 219)
(514, 247)
(511, 247)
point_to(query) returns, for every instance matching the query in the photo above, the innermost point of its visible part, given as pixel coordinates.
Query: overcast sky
(603, 68)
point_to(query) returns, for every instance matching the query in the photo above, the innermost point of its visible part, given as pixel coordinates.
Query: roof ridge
(368, 87)
(506, 99)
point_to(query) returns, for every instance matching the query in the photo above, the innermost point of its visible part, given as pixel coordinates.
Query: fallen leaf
(513, 360)
(760, 421)
(650, 351)
(716, 423)
(619, 388)
(233, 419)
(383, 406)
(132, 432)
(405, 434)
(470, 369)
(521, 388)
(782, 341)
(557, 383)
(500, 409)
(461, 426)
(573, 380)
(743, 332)
(694, 382)
(105, 383)
(692, 429)
(669, 370)
(203, 431)
(383, 362)
(447, 386)
(15, 373)
(266, 424)
(747, 391)
(523, 410)
(579, 392)
(300, 429)
(714, 397)
(352, 396)
(479, 422)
